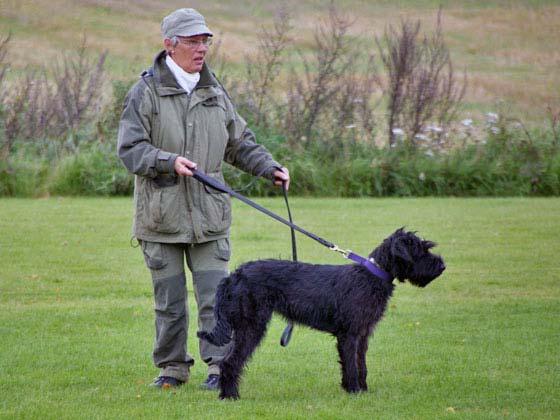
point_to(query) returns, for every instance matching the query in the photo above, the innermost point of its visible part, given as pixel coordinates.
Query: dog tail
(222, 332)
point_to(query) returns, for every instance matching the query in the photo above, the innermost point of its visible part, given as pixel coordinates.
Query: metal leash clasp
(344, 252)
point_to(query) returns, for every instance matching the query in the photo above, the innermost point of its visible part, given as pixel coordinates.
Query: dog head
(407, 257)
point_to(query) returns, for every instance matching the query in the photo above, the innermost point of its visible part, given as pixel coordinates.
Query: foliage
(508, 164)
(97, 171)
(420, 82)
(327, 98)
(58, 137)
(54, 105)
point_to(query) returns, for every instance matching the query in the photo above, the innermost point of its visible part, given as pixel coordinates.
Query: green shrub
(507, 165)
(94, 172)
(22, 178)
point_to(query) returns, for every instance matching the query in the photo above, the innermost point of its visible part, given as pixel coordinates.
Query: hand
(183, 166)
(281, 176)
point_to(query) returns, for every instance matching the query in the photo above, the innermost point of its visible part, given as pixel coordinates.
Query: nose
(442, 266)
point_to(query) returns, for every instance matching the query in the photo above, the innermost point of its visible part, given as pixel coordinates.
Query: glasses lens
(192, 43)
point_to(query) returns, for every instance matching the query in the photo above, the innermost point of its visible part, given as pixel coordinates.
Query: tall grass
(55, 138)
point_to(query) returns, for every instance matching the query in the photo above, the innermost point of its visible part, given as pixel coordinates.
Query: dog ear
(400, 249)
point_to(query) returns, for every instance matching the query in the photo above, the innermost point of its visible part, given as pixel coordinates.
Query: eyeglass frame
(191, 43)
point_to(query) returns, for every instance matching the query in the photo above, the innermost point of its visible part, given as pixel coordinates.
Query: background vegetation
(482, 342)
(356, 98)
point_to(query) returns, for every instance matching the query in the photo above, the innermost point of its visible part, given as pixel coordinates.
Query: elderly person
(178, 117)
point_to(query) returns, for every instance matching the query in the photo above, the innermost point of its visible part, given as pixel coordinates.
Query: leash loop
(287, 334)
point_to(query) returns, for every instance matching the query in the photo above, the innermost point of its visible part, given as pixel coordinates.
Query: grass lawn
(76, 321)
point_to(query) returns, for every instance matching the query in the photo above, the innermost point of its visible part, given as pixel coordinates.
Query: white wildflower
(495, 130)
(429, 153)
(422, 176)
(492, 117)
(398, 132)
(350, 126)
(467, 122)
(434, 129)
(421, 137)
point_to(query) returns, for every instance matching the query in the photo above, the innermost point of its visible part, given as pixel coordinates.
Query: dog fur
(346, 301)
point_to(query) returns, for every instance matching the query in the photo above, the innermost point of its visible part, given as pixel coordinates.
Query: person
(178, 117)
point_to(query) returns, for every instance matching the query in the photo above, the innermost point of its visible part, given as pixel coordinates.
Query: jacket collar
(165, 81)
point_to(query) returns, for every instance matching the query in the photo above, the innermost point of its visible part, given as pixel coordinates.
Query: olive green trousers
(208, 263)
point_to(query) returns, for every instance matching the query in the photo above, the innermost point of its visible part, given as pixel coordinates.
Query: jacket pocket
(163, 208)
(216, 207)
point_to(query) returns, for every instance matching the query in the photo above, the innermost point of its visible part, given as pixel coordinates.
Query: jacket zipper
(189, 206)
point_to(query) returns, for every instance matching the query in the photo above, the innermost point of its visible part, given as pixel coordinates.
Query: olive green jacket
(161, 121)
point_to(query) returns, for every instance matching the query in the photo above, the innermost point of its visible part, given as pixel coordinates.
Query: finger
(189, 164)
(281, 175)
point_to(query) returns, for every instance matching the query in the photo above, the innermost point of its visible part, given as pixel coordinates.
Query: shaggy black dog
(344, 300)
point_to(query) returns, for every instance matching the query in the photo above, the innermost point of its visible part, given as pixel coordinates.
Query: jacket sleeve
(243, 151)
(135, 144)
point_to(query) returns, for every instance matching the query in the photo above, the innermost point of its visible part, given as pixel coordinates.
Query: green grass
(483, 341)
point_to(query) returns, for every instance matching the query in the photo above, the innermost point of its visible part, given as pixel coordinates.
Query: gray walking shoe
(211, 383)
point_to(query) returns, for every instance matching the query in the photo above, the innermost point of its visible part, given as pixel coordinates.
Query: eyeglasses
(195, 43)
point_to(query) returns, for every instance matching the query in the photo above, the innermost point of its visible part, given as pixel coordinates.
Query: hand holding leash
(282, 177)
(183, 166)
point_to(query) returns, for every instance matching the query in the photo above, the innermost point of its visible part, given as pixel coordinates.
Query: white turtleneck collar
(186, 80)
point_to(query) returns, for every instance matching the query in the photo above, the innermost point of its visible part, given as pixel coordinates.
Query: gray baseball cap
(184, 22)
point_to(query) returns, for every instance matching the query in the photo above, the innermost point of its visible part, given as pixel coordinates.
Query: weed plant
(55, 138)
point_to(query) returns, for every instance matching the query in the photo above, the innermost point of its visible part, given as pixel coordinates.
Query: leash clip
(344, 252)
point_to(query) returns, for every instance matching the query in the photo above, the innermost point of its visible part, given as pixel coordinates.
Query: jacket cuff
(165, 163)
(269, 174)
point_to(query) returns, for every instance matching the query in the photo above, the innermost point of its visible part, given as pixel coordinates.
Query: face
(189, 53)
(411, 258)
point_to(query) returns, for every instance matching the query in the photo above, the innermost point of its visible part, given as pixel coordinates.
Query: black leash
(211, 182)
(287, 334)
(367, 263)
(370, 265)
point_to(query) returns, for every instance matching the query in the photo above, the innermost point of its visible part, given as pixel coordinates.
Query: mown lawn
(483, 341)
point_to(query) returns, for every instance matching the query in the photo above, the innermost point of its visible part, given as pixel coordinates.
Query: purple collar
(371, 267)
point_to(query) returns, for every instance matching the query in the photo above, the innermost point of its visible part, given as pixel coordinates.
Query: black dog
(344, 300)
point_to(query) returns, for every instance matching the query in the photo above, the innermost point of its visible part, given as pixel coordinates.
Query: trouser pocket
(153, 255)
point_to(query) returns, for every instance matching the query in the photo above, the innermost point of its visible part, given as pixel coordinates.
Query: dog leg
(362, 368)
(347, 349)
(245, 342)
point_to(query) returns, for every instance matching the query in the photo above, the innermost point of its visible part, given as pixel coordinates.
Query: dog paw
(352, 389)
(228, 396)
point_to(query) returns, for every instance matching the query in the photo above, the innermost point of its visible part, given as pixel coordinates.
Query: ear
(168, 45)
(399, 248)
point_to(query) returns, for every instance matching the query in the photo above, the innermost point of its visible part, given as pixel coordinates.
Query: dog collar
(370, 266)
